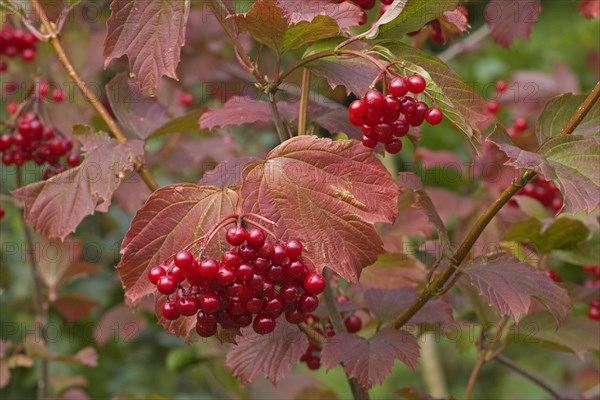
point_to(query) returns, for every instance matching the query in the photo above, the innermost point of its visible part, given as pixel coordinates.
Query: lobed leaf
(386, 304)
(510, 286)
(328, 194)
(273, 355)
(227, 173)
(150, 33)
(172, 217)
(345, 14)
(394, 270)
(510, 19)
(55, 207)
(370, 360)
(559, 111)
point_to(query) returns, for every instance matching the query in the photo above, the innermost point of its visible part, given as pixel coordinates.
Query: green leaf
(564, 233)
(571, 162)
(185, 123)
(576, 334)
(559, 111)
(585, 253)
(532, 207)
(460, 102)
(527, 231)
(413, 16)
(305, 32)
(392, 12)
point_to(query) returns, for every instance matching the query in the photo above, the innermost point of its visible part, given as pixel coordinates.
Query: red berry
(2, 212)
(520, 124)
(273, 306)
(231, 259)
(368, 142)
(187, 306)
(245, 272)
(374, 99)
(184, 259)
(185, 99)
(313, 363)
(594, 313)
(236, 235)
(73, 159)
(279, 254)
(155, 273)
(256, 237)
(210, 302)
(353, 324)
(226, 276)
(28, 55)
(400, 128)
(308, 302)
(209, 269)
(492, 107)
(293, 248)
(416, 84)
(434, 116)
(266, 251)
(357, 109)
(501, 86)
(394, 146)
(58, 95)
(553, 275)
(289, 293)
(169, 310)
(297, 270)
(206, 330)
(255, 304)
(243, 320)
(314, 283)
(205, 318)
(398, 86)
(247, 252)
(263, 324)
(295, 317)
(166, 284)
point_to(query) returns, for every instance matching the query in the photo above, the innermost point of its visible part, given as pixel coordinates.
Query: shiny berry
(206, 330)
(166, 284)
(394, 146)
(263, 324)
(398, 86)
(308, 302)
(184, 259)
(374, 99)
(416, 84)
(187, 306)
(357, 109)
(236, 235)
(185, 99)
(169, 310)
(155, 273)
(434, 116)
(314, 283)
(353, 324)
(293, 248)
(256, 237)
(210, 302)
(209, 269)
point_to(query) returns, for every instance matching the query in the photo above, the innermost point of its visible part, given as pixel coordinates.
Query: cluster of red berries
(312, 355)
(32, 141)
(493, 107)
(253, 284)
(543, 191)
(385, 119)
(14, 42)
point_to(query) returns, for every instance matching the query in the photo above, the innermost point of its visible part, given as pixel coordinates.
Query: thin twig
(304, 97)
(533, 377)
(41, 307)
(473, 377)
(465, 45)
(358, 392)
(281, 132)
(582, 111)
(87, 93)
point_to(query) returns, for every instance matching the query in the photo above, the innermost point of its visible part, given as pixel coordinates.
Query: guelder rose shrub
(313, 237)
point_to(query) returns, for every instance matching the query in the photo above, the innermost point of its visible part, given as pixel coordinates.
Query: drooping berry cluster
(32, 141)
(543, 191)
(385, 119)
(15, 42)
(253, 283)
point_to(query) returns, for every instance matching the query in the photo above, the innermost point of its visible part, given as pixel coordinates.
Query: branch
(87, 93)
(473, 377)
(438, 283)
(358, 392)
(465, 45)
(533, 377)
(281, 132)
(41, 308)
(305, 94)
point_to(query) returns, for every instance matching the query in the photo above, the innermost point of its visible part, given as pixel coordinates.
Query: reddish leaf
(55, 207)
(140, 115)
(121, 322)
(74, 394)
(291, 387)
(333, 117)
(571, 162)
(328, 194)
(344, 14)
(454, 21)
(273, 355)
(75, 306)
(228, 173)
(87, 356)
(239, 110)
(386, 304)
(268, 23)
(510, 285)
(589, 8)
(392, 271)
(150, 33)
(510, 19)
(132, 193)
(370, 360)
(171, 218)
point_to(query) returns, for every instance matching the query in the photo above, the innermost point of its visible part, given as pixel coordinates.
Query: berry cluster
(385, 119)
(32, 141)
(543, 191)
(254, 283)
(14, 42)
(312, 355)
